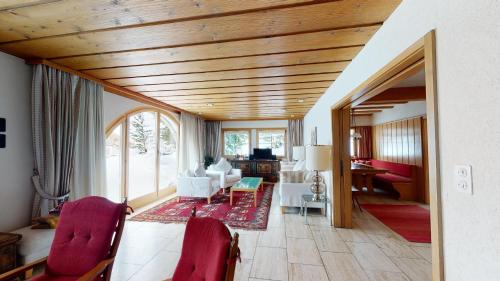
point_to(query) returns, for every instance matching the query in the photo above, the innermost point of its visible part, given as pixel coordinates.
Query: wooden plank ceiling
(223, 59)
(388, 99)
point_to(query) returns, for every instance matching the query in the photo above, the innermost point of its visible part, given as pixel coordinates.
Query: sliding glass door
(141, 155)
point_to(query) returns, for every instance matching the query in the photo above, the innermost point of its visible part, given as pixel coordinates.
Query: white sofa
(293, 185)
(228, 180)
(198, 187)
(287, 165)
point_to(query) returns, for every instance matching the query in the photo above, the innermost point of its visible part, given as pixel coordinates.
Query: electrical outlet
(463, 178)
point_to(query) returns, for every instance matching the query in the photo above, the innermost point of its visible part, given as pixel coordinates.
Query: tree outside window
(236, 143)
(274, 139)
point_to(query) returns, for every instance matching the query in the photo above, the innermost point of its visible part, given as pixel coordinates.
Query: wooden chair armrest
(22, 269)
(97, 270)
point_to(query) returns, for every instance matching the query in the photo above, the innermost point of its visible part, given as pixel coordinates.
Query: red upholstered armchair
(208, 252)
(85, 243)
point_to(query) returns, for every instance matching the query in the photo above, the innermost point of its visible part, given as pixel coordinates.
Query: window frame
(247, 130)
(259, 130)
(124, 120)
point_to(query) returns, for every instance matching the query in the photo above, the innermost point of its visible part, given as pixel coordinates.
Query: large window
(236, 142)
(274, 139)
(141, 156)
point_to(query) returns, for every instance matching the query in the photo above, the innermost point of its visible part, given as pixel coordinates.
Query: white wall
(468, 77)
(16, 160)
(400, 112)
(115, 106)
(255, 124)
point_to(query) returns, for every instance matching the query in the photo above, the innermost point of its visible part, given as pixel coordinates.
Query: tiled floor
(287, 250)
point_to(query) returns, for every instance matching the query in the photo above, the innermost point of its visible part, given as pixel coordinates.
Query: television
(262, 153)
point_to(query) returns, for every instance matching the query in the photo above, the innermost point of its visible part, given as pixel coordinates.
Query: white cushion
(299, 166)
(232, 178)
(187, 173)
(200, 171)
(309, 176)
(223, 165)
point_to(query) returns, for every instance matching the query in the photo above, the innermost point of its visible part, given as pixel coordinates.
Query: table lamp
(318, 159)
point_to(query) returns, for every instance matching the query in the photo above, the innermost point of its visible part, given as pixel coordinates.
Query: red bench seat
(400, 177)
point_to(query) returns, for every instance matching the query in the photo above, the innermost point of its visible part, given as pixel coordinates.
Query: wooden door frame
(420, 55)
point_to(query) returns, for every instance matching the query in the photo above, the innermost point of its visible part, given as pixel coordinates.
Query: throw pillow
(223, 165)
(300, 165)
(200, 171)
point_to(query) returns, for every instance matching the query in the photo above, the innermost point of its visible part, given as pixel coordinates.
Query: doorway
(420, 57)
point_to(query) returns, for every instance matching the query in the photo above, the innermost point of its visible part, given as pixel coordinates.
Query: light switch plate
(463, 178)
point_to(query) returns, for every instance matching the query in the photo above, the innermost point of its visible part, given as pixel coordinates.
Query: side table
(307, 201)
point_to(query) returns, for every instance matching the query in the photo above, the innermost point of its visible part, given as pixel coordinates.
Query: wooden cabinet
(8, 251)
(267, 169)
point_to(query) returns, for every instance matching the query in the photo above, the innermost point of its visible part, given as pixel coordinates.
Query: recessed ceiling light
(292, 115)
(300, 100)
(199, 113)
(210, 104)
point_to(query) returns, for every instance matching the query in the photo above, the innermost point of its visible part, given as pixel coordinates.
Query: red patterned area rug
(241, 215)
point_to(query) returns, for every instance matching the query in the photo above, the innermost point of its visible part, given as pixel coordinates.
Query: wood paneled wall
(403, 142)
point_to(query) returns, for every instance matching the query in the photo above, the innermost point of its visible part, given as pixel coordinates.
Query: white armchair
(228, 180)
(197, 187)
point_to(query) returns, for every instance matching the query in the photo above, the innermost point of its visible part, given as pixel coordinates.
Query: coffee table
(247, 184)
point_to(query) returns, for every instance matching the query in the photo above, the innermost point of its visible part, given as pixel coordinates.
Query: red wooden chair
(208, 251)
(85, 242)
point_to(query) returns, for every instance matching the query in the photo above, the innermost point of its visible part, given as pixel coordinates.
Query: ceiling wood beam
(284, 80)
(280, 22)
(82, 17)
(319, 68)
(393, 95)
(350, 37)
(240, 63)
(289, 93)
(246, 89)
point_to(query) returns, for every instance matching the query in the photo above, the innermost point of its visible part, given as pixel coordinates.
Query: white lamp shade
(318, 157)
(299, 153)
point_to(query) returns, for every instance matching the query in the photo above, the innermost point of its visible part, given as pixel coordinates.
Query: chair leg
(209, 199)
(178, 199)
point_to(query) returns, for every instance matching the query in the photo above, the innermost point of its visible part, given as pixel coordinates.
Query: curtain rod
(109, 87)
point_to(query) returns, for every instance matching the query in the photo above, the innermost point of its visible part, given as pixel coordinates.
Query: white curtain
(89, 177)
(295, 135)
(213, 134)
(192, 141)
(57, 119)
(54, 103)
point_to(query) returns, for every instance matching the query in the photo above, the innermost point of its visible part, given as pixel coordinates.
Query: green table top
(248, 183)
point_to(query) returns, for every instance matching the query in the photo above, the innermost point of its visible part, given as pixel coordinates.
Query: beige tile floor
(287, 250)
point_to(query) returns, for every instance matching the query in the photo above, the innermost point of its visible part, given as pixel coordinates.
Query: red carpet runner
(410, 221)
(242, 214)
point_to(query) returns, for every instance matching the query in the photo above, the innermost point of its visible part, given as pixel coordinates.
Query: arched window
(141, 156)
